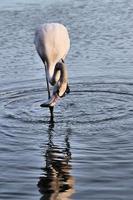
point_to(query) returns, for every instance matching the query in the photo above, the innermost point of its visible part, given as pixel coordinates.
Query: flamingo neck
(60, 79)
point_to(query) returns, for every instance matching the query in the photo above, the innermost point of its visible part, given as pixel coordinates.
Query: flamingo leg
(48, 87)
(51, 109)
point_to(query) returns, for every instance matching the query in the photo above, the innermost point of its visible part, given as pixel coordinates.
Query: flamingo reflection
(56, 182)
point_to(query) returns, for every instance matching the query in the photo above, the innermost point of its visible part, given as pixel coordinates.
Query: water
(87, 153)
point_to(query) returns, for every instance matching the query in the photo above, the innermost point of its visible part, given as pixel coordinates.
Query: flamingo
(52, 43)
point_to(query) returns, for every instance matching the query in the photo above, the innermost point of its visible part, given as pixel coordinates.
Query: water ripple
(104, 102)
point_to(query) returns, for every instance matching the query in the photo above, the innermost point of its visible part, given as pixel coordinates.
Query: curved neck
(63, 70)
(63, 78)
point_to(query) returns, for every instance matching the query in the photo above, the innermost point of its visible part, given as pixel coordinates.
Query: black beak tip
(44, 105)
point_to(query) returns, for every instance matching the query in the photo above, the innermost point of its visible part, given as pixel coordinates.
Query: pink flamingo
(52, 44)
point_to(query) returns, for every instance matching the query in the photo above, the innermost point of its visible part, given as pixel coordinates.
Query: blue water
(87, 152)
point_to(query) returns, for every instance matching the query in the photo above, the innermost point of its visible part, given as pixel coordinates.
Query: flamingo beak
(56, 96)
(51, 102)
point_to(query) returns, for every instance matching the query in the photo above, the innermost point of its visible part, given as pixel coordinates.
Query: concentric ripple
(87, 103)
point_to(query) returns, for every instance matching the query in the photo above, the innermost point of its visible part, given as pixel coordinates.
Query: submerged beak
(55, 97)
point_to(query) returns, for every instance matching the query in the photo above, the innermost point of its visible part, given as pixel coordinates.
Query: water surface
(87, 153)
